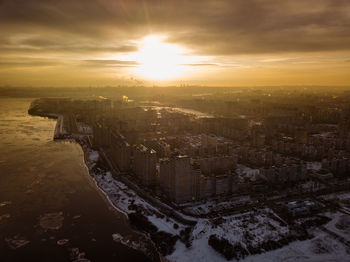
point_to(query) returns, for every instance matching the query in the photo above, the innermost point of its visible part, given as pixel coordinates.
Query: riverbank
(138, 241)
(159, 222)
(48, 208)
(143, 244)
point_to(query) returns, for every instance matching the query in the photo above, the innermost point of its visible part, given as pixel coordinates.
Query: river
(45, 180)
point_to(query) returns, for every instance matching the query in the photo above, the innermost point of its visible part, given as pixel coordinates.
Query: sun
(158, 60)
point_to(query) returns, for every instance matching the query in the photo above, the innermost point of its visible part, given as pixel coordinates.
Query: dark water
(39, 176)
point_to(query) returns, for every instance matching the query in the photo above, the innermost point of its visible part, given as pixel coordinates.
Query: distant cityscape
(271, 155)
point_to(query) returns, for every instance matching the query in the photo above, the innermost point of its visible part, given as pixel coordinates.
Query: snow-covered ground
(321, 248)
(337, 196)
(245, 172)
(94, 156)
(249, 229)
(128, 242)
(314, 165)
(312, 186)
(340, 224)
(343, 199)
(125, 199)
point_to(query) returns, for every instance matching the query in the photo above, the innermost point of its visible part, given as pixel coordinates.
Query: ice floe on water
(137, 245)
(4, 216)
(51, 221)
(5, 203)
(77, 256)
(62, 242)
(16, 242)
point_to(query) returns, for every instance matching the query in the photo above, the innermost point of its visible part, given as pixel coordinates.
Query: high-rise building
(176, 178)
(144, 164)
(120, 152)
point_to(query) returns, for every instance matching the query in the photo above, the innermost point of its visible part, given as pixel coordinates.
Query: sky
(168, 42)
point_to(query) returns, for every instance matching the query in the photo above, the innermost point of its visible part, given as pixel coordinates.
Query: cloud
(49, 42)
(109, 63)
(27, 62)
(207, 26)
(235, 40)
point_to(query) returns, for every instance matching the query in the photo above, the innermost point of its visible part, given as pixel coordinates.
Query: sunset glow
(207, 42)
(159, 60)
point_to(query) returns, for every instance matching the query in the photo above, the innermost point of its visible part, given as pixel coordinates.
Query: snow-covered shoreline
(90, 159)
(259, 225)
(124, 199)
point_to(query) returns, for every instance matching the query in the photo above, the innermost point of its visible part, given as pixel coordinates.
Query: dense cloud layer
(207, 26)
(87, 34)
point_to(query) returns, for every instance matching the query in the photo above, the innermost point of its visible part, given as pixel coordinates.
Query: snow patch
(93, 156)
